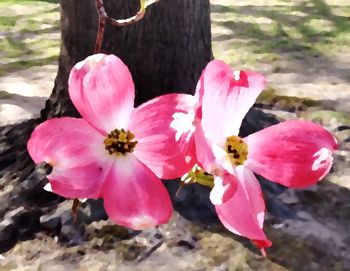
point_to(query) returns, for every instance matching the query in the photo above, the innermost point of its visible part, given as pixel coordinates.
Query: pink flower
(115, 151)
(293, 153)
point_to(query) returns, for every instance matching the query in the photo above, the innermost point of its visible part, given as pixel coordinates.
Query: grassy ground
(267, 31)
(30, 35)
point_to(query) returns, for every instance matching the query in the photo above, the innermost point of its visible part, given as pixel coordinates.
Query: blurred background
(303, 48)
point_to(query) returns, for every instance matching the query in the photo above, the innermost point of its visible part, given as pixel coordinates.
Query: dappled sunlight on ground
(29, 47)
(23, 93)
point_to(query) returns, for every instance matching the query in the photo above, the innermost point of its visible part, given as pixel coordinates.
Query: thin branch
(75, 206)
(123, 22)
(103, 18)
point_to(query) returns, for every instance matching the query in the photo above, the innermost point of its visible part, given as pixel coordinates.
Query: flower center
(237, 150)
(119, 142)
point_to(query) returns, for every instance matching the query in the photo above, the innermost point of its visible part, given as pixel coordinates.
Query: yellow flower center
(119, 142)
(237, 150)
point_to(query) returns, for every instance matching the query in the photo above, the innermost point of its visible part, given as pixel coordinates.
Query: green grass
(325, 116)
(311, 28)
(30, 34)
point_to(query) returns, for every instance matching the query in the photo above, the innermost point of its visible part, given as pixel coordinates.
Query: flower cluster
(119, 153)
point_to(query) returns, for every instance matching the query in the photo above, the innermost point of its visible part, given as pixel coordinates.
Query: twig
(103, 18)
(75, 206)
(123, 22)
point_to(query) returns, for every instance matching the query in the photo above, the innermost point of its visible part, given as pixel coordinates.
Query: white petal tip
(323, 156)
(143, 222)
(48, 187)
(215, 197)
(237, 75)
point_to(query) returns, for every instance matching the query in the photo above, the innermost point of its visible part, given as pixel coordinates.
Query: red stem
(103, 18)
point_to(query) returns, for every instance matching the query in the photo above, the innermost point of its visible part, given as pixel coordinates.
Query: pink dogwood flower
(293, 153)
(115, 151)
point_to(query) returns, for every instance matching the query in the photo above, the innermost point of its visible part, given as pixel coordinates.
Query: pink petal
(224, 188)
(198, 96)
(243, 214)
(78, 182)
(292, 153)
(134, 197)
(66, 142)
(76, 152)
(102, 90)
(204, 151)
(163, 128)
(226, 98)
